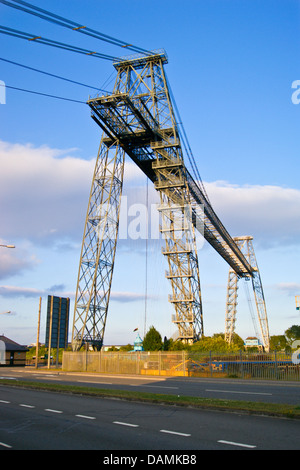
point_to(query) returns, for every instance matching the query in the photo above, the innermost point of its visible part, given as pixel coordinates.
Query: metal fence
(273, 366)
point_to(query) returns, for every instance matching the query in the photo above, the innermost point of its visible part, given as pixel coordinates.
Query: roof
(11, 345)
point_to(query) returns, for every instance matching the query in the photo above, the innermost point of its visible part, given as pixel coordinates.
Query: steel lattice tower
(138, 119)
(246, 246)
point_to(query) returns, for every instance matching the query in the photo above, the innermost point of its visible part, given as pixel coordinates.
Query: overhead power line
(50, 42)
(53, 75)
(61, 21)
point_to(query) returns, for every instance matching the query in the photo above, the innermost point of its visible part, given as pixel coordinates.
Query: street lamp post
(8, 246)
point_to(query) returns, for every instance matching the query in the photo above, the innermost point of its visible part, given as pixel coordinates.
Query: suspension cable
(42, 94)
(50, 42)
(61, 21)
(52, 75)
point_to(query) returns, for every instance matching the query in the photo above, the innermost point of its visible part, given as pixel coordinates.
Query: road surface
(231, 389)
(42, 420)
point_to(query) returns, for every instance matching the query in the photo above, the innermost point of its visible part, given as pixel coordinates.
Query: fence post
(159, 362)
(241, 359)
(210, 364)
(275, 359)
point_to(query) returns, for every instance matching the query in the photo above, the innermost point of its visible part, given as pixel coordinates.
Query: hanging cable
(42, 94)
(251, 308)
(50, 42)
(52, 75)
(61, 21)
(146, 267)
(186, 144)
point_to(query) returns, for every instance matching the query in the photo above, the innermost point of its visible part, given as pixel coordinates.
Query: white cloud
(15, 261)
(43, 192)
(16, 291)
(129, 296)
(44, 196)
(291, 288)
(271, 214)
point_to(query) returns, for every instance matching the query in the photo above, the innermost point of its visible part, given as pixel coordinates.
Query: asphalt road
(40, 420)
(231, 389)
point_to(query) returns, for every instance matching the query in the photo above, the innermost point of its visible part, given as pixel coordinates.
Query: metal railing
(271, 366)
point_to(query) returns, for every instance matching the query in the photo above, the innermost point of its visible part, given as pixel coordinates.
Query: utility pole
(38, 335)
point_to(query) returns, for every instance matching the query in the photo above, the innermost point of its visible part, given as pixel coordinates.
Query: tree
(152, 340)
(278, 342)
(127, 347)
(177, 345)
(215, 344)
(292, 333)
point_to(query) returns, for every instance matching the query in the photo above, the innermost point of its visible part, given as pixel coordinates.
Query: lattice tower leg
(98, 248)
(259, 298)
(246, 246)
(231, 305)
(180, 249)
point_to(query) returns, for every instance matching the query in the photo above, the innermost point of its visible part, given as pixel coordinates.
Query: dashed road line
(53, 411)
(239, 444)
(122, 423)
(86, 417)
(5, 445)
(126, 424)
(175, 432)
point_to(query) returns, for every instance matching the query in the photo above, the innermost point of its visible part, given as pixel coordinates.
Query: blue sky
(231, 68)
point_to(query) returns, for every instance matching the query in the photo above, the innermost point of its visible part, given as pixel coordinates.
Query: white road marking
(236, 391)
(97, 383)
(50, 377)
(26, 406)
(174, 432)
(126, 424)
(5, 445)
(237, 444)
(53, 411)
(86, 417)
(4, 401)
(157, 386)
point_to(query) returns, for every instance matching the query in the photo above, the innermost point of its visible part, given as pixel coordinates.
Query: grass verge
(270, 409)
